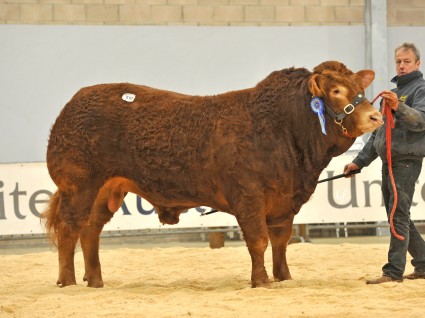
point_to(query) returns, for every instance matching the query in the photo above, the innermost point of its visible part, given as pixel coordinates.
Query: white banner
(25, 189)
(358, 199)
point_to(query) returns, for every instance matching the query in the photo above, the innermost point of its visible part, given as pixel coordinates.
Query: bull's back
(158, 137)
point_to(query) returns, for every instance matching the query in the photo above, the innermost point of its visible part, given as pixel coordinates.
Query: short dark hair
(409, 46)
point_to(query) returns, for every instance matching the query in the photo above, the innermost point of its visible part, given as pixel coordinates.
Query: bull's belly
(114, 189)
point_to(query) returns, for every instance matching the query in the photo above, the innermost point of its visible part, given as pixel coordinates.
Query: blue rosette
(318, 107)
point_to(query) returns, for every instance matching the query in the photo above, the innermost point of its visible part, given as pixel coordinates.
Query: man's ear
(367, 77)
(313, 85)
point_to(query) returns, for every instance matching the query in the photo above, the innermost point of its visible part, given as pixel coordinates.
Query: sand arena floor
(192, 280)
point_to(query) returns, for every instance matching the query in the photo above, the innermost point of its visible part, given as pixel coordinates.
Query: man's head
(407, 59)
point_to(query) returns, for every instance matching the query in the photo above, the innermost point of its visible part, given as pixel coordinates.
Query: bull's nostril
(377, 118)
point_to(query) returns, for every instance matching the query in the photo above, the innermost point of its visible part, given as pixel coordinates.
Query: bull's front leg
(279, 238)
(254, 230)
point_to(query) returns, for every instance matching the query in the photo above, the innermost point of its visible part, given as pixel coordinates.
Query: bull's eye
(336, 91)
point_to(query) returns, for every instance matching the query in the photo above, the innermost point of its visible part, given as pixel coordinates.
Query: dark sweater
(408, 136)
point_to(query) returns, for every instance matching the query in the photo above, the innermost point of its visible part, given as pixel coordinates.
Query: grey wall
(41, 67)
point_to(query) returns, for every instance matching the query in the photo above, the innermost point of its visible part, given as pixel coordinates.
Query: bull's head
(343, 94)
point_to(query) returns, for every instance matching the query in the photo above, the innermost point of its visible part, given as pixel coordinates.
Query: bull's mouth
(375, 121)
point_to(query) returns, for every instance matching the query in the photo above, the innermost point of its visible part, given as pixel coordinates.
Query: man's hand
(350, 167)
(391, 99)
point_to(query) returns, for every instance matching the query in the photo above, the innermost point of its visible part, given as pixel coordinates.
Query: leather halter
(348, 109)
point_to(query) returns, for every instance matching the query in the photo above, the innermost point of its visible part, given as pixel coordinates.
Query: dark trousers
(406, 173)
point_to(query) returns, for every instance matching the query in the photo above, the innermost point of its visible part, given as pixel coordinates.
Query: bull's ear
(367, 77)
(313, 85)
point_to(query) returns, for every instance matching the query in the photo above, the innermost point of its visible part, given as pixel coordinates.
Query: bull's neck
(323, 147)
(332, 145)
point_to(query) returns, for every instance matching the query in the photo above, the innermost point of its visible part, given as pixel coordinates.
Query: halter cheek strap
(338, 118)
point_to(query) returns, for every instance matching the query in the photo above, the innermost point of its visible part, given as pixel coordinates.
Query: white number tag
(128, 97)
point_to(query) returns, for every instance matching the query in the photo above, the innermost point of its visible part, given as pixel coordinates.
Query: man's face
(405, 62)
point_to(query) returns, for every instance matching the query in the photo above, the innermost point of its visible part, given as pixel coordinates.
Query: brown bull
(255, 153)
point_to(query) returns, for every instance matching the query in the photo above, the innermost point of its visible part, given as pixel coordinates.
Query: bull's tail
(51, 217)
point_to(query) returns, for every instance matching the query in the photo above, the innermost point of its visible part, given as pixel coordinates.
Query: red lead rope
(386, 111)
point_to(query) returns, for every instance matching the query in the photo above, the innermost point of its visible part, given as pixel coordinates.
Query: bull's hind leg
(279, 238)
(67, 239)
(63, 235)
(90, 245)
(108, 201)
(66, 228)
(74, 209)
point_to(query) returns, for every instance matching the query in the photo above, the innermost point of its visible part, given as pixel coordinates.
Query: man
(407, 103)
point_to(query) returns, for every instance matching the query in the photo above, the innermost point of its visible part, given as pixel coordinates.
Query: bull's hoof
(93, 282)
(282, 276)
(265, 282)
(281, 279)
(65, 282)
